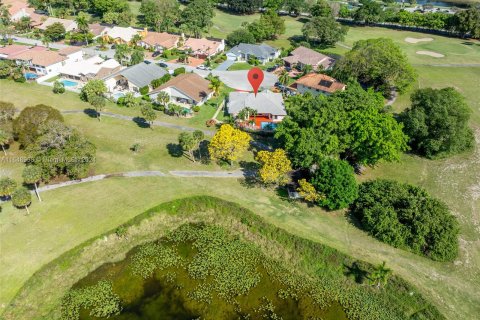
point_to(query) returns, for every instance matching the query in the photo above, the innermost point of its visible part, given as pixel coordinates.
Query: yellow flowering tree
(275, 167)
(307, 191)
(228, 144)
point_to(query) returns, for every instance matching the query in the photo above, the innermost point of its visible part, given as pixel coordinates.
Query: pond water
(167, 294)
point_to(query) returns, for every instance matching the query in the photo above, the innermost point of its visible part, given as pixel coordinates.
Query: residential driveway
(225, 65)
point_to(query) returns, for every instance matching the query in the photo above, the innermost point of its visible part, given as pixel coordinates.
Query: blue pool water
(68, 83)
(118, 95)
(30, 75)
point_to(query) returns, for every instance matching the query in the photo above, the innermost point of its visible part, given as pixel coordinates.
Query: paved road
(39, 43)
(234, 79)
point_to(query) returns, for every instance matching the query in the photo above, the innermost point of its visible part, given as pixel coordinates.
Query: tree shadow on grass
(141, 122)
(175, 150)
(356, 272)
(92, 113)
(250, 174)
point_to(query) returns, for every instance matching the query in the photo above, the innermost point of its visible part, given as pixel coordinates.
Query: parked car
(163, 64)
(156, 54)
(288, 69)
(147, 61)
(202, 67)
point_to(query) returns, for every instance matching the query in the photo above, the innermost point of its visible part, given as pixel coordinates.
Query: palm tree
(22, 198)
(307, 69)
(135, 39)
(284, 77)
(216, 85)
(32, 175)
(82, 21)
(380, 275)
(163, 98)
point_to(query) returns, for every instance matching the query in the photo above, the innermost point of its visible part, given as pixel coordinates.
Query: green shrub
(405, 216)
(178, 71)
(196, 108)
(58, 87)
(144, 90)
(335, 181)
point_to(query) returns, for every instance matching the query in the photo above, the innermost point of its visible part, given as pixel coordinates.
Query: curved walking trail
(135, 174)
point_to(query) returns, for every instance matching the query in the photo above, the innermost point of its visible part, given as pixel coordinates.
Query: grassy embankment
(329, 274)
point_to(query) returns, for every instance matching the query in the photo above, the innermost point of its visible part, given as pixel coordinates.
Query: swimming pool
(30, 75)
(69, 83)
(118, 95)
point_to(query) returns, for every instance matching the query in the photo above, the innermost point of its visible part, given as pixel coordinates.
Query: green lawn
(240, 66)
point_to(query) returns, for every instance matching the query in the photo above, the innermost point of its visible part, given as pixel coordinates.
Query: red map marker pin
(255, 77)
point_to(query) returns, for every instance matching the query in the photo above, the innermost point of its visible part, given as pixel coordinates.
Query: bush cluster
(406, 217)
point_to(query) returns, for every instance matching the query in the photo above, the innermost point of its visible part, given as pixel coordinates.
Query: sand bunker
(416, 40)
(431, 54)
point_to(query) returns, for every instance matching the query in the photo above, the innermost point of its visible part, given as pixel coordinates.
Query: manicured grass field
(240, 66)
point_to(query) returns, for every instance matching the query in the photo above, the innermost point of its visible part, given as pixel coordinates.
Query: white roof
(126, 34)
(265, 102)
(89, 66)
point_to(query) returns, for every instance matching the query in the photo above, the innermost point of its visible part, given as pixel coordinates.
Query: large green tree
(33, 175)
(378, 63)
(92, 89)
(405, 216)
(335, 181)
(28, 122)
(197, 17)
(7, 187)
(468, 21)
(240, 36)
(22, 198)
(350, 124)
(55, 32)
(161, 15)
(369, 12)
(437, 123)
(268, 27)
(324, 30)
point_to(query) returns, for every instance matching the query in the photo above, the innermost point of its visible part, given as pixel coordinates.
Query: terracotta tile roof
(15, 6)
(40, 57)
(190, 84)
(13, 49)
(202, 45)
(35, 18)
(69, 50)
(166, 40)
(321, 82)
(308, 56)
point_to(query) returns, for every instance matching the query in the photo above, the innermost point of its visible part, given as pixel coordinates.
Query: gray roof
(141, 74)
(265, 102)
(258, 50)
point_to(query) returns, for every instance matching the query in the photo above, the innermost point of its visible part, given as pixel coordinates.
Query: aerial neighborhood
(239, 159)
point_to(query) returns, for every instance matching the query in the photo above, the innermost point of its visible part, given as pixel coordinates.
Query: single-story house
(133, 78)
(122, 35)
(188, 89)
(316, 84)
(203, 48)
(92, 68)
(40, 60)
(159, 41)
(98, 29)
(9, 51)
(269, 107)
(242, 52)
(70, 25)
(302, 56)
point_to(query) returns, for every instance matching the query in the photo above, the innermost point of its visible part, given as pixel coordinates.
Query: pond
(444, 4)
(213, 276)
